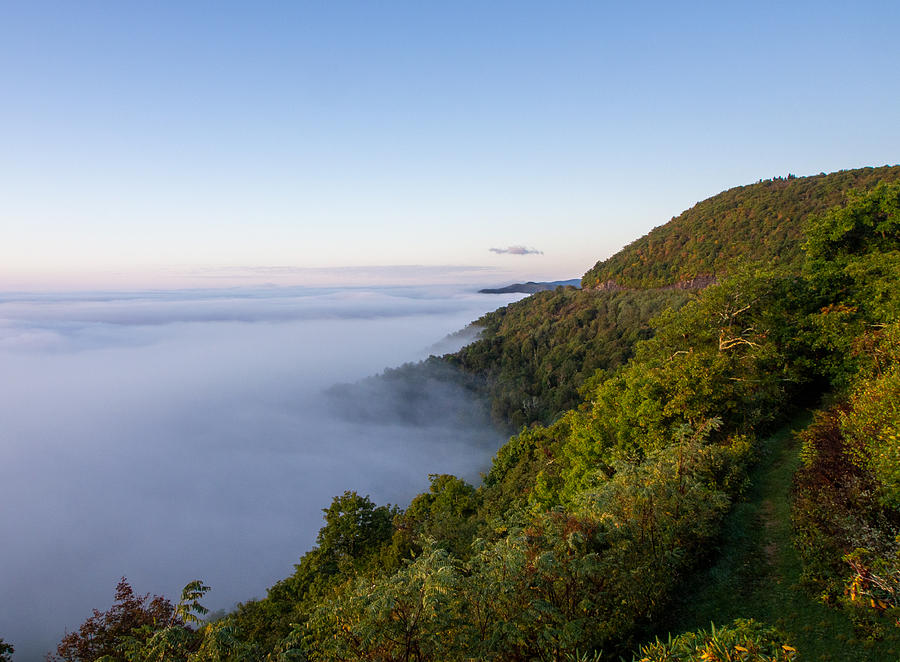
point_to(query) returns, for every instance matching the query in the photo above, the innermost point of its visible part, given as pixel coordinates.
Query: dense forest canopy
(645, 418)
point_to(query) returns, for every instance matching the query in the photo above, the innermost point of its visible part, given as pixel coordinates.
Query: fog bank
(171, 436)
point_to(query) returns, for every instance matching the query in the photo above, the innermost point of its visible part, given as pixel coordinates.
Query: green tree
(407, 616)
(175, 640)
(354, 528)
(853, 253)
(446, 513)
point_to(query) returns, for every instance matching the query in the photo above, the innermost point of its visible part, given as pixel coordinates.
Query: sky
(173, 144)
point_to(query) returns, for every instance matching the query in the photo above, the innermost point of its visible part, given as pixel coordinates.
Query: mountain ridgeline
(648, 416)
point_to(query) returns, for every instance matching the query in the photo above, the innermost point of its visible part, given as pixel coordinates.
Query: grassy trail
(757, 571)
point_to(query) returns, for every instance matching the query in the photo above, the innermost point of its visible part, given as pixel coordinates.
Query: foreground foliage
(567, 581)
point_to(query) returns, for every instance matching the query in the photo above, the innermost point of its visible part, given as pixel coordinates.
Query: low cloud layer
(176, 436)
(516, 250)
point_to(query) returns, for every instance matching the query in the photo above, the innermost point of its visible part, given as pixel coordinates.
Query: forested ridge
(648, 420)
(756, 222)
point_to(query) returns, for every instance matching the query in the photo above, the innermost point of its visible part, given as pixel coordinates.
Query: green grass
(756, 572)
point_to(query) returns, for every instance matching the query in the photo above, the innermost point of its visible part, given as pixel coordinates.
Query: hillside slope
(762, 221)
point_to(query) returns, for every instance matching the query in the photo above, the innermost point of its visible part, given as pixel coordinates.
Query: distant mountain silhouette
(531, 287)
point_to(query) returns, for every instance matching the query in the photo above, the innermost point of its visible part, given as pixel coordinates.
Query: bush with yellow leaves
(742, 641)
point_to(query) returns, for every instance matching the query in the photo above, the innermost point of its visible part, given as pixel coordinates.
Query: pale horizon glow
(276, 276)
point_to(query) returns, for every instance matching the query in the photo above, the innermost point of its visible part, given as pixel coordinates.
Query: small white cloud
(517, 250)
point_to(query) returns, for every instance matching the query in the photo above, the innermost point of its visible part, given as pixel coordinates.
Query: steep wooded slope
(535, 353)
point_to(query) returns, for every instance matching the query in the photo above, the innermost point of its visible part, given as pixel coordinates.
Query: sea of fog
(172, 436)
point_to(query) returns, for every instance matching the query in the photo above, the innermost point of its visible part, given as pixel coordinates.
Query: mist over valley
(168, 436)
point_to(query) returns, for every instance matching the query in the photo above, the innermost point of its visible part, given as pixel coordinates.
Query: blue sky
(147, 143)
